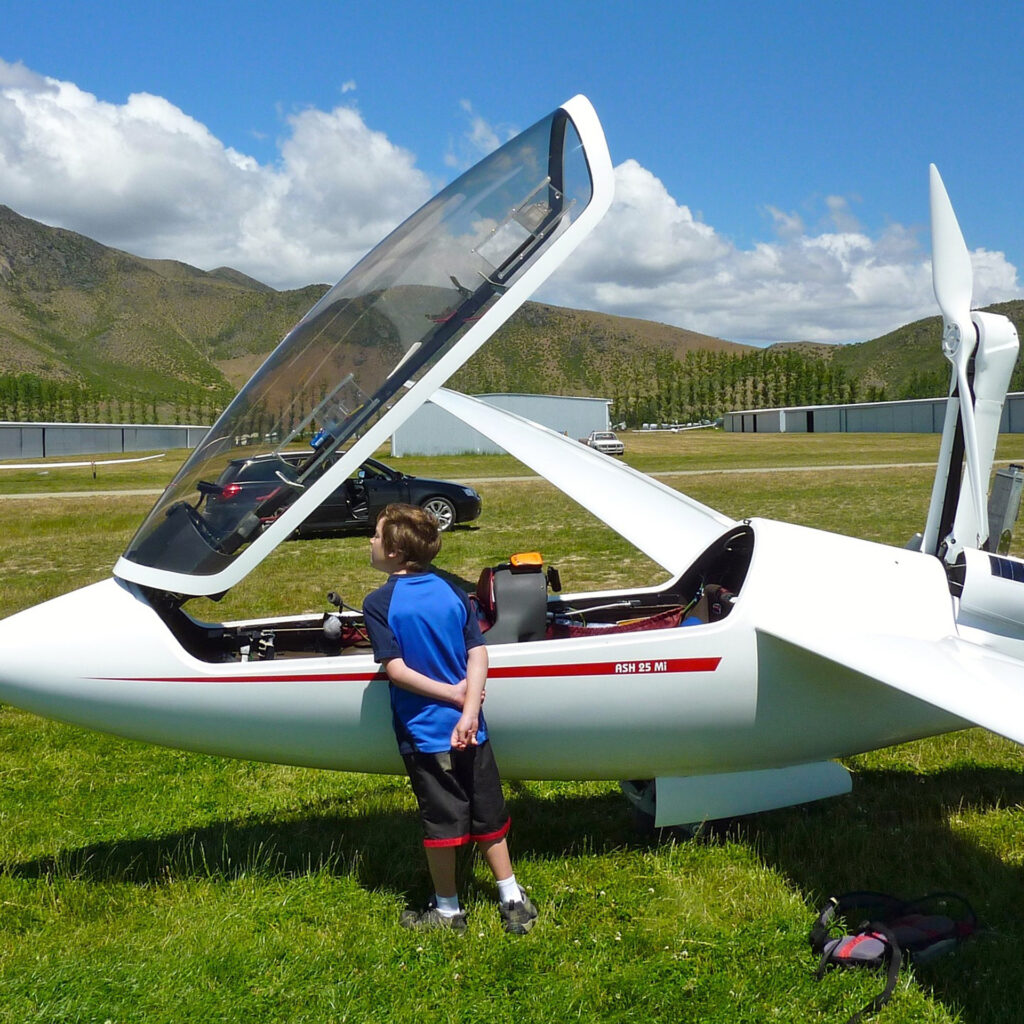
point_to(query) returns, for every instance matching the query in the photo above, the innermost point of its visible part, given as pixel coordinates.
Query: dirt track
(154, 492)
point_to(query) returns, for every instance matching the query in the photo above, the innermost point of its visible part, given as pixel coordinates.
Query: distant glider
(78, 465)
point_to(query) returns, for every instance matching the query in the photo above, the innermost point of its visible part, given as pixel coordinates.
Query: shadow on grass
(893, 833)
(381, 850)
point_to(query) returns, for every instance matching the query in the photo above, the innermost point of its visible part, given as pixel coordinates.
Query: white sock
(508, 890)
(447, 906)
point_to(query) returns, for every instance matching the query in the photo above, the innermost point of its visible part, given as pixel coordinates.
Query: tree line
(704, 385)
(27, 397)
(644, 387)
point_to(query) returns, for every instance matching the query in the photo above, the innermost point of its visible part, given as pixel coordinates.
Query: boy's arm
(386, 650)
(464, 733)
(406, 678)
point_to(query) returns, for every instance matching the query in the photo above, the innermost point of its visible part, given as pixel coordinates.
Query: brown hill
(112, 324)
(77, 311)
(74, 310)
(557, 350)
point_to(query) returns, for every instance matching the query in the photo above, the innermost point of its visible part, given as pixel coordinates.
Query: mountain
(556, 350)
(907, 362)
(74, 310)
(78, 318)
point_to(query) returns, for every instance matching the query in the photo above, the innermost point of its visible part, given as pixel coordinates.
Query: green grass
(141, 884)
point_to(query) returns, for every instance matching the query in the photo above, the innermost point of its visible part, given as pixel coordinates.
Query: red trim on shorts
(500, 834)
(457, 841)
(467, 838)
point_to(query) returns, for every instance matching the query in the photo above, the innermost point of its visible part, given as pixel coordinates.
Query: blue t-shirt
(428, 623)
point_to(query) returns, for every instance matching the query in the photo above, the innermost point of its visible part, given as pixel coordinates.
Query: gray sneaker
(432, 919)
(518, 916)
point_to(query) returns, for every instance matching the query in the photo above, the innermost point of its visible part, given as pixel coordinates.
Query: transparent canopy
(400, 309)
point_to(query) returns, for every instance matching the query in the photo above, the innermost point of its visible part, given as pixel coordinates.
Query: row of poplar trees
(650, 388)
(706, 384)
(27, 398)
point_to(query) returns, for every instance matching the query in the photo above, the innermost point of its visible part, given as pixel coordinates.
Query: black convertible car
(252, 483)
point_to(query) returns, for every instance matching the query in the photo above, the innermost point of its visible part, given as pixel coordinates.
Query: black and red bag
(875, 930)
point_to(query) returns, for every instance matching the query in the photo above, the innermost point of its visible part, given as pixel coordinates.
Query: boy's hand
(458, 697)
(464, 733)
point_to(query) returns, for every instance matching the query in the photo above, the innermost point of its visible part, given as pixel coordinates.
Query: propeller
(954, 284)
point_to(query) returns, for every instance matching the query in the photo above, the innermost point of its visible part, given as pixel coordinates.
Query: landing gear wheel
(442, 510)
(642, 796)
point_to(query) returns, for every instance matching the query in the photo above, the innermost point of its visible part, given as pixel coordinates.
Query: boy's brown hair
(410, 530)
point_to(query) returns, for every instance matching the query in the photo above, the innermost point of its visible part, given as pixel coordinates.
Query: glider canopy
(376, 345)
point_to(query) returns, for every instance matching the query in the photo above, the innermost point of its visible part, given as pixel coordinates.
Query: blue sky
(771, 158)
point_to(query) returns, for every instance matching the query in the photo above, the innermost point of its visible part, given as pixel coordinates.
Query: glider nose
(35, 645)
(30, 641)
(47, 650)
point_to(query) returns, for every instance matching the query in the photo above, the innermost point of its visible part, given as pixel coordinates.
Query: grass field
(140, 884)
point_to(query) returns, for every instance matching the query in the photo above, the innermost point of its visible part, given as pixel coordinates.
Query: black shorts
(459, 795)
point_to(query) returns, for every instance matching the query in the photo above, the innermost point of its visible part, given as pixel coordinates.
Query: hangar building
(43, 440)
(914, 416)
(432, 431)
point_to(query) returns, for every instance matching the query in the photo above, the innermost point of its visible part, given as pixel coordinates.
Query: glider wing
(664, 524)
(965, 679)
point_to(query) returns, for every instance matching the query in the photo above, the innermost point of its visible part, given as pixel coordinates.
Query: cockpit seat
(512, 603)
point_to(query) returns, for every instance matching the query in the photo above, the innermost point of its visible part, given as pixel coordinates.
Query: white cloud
(787, 224)
(651, 258)
(646, 238)
(840, 215)
(480, 138)
(146, 177)
(17, 75)
(339, 189)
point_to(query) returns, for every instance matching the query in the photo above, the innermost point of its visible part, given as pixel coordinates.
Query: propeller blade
(952, 276)
(953, 280)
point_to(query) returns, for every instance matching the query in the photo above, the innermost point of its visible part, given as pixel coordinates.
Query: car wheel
(442, 510)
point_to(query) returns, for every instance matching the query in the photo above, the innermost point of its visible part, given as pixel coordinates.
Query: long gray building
(44, 440)
(432, 431)
(913, 416)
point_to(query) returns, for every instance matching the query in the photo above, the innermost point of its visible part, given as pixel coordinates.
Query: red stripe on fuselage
(607, 668)
(630, 668)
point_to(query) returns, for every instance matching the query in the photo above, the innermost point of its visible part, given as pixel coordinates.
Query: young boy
(424, 632)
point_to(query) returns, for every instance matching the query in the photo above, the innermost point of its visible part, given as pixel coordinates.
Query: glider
(772, 650)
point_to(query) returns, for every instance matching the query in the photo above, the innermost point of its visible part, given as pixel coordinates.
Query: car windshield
(399, 310)
(260, 470)
(377, 471)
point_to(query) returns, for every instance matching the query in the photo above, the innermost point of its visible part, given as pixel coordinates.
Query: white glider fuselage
(719, 696)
